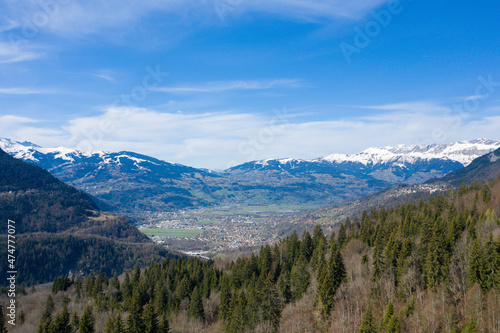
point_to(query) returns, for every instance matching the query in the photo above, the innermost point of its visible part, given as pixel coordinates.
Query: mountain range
(137, 185)
(483, 171)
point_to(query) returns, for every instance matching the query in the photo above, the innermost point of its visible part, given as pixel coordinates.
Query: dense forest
(429, 266)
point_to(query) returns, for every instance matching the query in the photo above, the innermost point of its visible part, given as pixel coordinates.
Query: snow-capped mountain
(463, 152)
(124, 181)
(136, 184)
(398, 164)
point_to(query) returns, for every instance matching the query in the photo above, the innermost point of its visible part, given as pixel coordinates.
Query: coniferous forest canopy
(430, 266)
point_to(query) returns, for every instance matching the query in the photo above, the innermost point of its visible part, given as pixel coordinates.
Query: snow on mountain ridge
(463, 152)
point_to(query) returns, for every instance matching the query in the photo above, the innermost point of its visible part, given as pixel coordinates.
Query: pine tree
(165, 324)
(471, 326)
(62, 322)
(368, 323)
(330, 279)
(284, 286)
(183, 289)
(341, 238)
(306, 245)
(87, 322)
(135, 323)
(318, 236)
(393, 325)
(271, 305)
(46, 322)
(389, 313)
(238, 320)
(299, 278)
(434, 262)
(196, 305)
(293, 246)
(75, 321)
(110, 325)
(78, 287)
(118, 326)
(225, 298)
(150, 319)
(476, 267)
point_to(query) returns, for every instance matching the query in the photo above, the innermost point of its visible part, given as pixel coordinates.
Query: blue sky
(213, 83)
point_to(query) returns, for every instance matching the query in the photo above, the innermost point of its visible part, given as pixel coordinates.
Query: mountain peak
(463, 152)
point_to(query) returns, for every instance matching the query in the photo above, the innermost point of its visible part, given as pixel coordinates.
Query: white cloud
(78, 17)
(220, 139)
(23, 91)
(15, 51)
(311, 10)
(221, 86)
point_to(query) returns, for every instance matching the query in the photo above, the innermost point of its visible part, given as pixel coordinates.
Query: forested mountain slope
(431, 266)
(60, 230)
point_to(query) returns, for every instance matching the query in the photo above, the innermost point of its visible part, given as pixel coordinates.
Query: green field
(171, 232)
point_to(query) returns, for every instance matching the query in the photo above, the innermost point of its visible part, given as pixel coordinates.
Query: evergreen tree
(271, 305)
(389, 313)
(196, 305)
(183, 289)
(46, 322)
(342, 237)
(87, 322)
(110, 325)
(135, 323)
(476, 267)
(293, 246)
(238, 320)
(225, 298)
(368, 323)
(78, 287)
(393, 325)
(299, 278)
(62, 322)
(150, 319)
(306, 245)
(165, 324)
(284, 286)
(75, 321)
(471, 326)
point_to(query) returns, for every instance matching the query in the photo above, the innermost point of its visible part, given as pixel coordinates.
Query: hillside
(60, 229)
(431, 266)
(482, 169)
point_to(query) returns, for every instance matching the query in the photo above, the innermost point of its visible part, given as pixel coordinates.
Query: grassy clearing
(220, 256)
(171, 232)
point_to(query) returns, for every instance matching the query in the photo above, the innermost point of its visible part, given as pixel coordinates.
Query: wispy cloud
(220, 86)
(11, 53)
(213, 139)
(78, 17)
(419, 106)
(316, 9)
(11, 119)
(24, 91)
